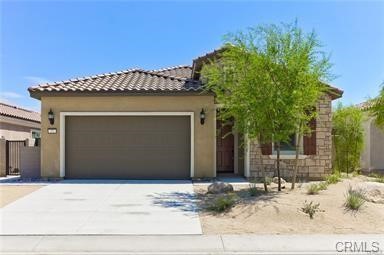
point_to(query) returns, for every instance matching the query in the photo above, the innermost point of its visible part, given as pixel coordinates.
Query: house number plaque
(52, 130)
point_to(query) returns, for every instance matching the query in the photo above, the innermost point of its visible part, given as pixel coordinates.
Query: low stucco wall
(2, 157)
(30, 162)
(377, 148)
(372, 157)
(365, 158)
(203, 134)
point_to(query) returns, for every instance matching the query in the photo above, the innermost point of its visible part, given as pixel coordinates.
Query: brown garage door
(139, 147)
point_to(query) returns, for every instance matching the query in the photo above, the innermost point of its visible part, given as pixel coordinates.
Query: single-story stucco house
(17, 123)
(18, 127)
(372, 158)
(158, 124)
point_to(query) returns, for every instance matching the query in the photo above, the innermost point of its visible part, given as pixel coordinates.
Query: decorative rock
(276, 180)
(374, 192)
(375, 196)
(220, 187)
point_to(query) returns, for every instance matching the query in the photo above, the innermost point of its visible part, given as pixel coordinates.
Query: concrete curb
(192, 244)
(9, 179)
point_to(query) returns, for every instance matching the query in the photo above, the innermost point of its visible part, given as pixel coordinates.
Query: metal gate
(13, 156)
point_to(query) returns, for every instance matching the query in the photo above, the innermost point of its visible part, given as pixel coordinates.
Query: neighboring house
(18, 124)
(158, 124)
(372, 157)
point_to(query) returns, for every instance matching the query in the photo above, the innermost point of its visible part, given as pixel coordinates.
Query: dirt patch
(10, 193)
(280, 212)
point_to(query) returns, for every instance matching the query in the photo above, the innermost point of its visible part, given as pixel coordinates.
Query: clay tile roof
(19, 113)
(132, 80)
(364, 106)
(182, 71)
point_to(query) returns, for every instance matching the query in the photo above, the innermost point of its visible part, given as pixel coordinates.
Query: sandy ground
(10, 193)
(280, 213)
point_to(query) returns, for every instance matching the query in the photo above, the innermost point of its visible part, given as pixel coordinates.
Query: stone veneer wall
(312, 167)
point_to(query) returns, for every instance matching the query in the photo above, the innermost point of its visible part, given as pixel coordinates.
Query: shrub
(253, 190)
(322, 185)
(313, 189)
(377, 177)
(268, 180)
(356, 173)
(333, 178)
(348, 138)
(377, 109)
(222, 203)
(310, 208)
(355, 198)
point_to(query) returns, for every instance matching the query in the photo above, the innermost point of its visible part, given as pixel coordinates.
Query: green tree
(268, 79)
(348, 138)
(377, 109)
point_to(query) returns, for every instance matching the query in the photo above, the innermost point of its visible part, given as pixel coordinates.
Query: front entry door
(224, 148)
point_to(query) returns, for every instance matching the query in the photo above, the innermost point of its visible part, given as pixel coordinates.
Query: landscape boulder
(276, 180)
(375, 196)
(220, 187)
(374, 192)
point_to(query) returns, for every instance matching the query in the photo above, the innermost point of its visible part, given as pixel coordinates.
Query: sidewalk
(191, 244)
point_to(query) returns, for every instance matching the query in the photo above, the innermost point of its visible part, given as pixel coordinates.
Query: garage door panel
(128, 147)
(122, 155)
(84, 139)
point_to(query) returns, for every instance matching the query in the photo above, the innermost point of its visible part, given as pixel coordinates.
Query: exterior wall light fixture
(202, 116)
(51, 117)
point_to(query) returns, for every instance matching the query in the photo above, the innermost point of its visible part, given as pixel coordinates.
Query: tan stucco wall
(377, 147)
(372, 157)
(2, 157)
(365, 158)
(203, 134)
(30, 162)
(16, 131)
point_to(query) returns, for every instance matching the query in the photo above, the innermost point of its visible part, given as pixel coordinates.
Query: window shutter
(309, 141)
(266, 149)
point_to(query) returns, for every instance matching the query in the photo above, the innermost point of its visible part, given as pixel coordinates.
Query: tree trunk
(264, 179)
(297, 145)
(278, 166)
(298, 141)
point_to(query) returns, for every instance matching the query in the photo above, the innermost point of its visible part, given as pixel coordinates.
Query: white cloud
(34, 80)
(10, 95)
(29, 104)
(6, 100)
(13, 98)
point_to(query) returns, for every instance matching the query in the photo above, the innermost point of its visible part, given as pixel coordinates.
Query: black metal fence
(13, 156)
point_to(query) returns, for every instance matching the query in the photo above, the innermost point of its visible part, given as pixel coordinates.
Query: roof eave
(39, 94)
(333, 92)
(34, 94)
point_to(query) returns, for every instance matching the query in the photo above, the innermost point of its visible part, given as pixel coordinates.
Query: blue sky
(52, 41)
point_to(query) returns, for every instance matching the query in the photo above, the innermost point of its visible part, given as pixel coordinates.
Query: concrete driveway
(104, 207)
